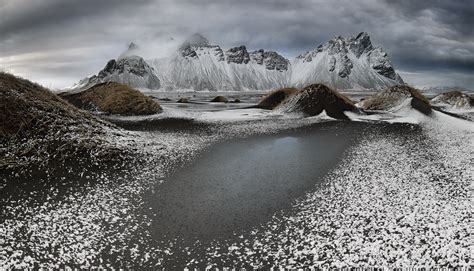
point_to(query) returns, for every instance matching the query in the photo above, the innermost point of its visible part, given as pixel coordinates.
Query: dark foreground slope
(37, 125)
(114, 98)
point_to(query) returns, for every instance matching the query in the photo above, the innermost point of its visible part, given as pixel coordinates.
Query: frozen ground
(394, 200)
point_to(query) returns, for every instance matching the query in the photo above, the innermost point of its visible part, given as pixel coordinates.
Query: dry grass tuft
(114, 98)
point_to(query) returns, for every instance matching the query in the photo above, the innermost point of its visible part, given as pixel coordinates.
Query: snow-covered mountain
(199, 65)
(128, 69)
(131, 70)
(343, 63)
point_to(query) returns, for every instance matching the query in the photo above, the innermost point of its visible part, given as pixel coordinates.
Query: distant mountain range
(343, 63)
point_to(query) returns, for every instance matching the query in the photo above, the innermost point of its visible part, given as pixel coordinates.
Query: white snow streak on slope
(392, 202)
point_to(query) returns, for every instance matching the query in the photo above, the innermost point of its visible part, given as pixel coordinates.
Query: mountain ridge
(343, 63)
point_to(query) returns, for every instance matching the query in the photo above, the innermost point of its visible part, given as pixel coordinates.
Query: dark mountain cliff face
(271, 60)
(238, 55)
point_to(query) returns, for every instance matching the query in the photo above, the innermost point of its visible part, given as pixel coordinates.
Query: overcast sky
(58, 42)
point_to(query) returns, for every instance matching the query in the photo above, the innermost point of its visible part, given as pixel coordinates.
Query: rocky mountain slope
(343, 63)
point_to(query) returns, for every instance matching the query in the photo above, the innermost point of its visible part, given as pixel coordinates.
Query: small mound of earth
(393, 97)
(219, 99)
(37, 125)
(314, 99)
(183, 100)
(236, 101)
(276, 97)
(455, 99)
(113, 98)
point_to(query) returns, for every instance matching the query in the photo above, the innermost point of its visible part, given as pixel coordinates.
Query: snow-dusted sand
(398, 198)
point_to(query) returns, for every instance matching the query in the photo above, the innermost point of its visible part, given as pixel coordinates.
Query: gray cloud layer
(57, 42)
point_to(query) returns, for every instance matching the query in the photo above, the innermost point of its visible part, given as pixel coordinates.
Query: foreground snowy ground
(393, 201)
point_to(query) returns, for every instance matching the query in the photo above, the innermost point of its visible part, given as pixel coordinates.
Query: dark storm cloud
(456, 14)
(60, 41)
(27, 15)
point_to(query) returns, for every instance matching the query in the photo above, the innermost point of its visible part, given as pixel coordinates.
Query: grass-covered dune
(113, 98)
(393, 97)
(276, 97)
(455, 99)
(316, 98)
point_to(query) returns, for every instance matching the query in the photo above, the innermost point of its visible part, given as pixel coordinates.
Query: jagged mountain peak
(196, 40)
(132, 50)
(360, 44)
(189, 46)
(132, 46)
